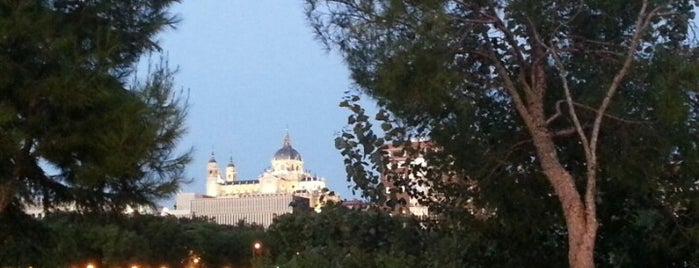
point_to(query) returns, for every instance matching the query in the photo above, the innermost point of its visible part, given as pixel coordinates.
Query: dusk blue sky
(254, 69)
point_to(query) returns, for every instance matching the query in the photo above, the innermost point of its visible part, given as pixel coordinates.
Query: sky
(254, 70)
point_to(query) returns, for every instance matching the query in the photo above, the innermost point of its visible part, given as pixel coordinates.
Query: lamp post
(256, 251)
(193, 260)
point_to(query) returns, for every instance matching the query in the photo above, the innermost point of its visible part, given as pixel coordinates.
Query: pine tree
(77, 128)
(587, 105)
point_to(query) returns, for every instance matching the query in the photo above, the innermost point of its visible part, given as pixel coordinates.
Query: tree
(341, 237)
(66, 239)
(23, 241)
(537, 98)
(76, 129)
(223, 245)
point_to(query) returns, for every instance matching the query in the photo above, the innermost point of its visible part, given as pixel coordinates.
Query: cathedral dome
(287, 152)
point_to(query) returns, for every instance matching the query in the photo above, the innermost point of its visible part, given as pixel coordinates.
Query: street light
(256, 251)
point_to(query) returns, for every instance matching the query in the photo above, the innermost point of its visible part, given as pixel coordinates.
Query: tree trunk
(581, 232)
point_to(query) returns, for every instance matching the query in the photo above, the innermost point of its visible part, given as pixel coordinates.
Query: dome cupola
(287, 152)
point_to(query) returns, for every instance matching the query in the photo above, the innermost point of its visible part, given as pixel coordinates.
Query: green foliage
(341, 237)
(23, 241)
(448, 72)
(221, 245)
(76, 130)
(66, 239)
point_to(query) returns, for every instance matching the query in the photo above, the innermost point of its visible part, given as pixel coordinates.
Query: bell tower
(213, 177)
(231, 173)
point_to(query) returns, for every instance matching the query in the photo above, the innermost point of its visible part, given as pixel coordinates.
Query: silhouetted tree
(76, 127)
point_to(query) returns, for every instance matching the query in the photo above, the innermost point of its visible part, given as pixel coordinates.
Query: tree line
(335, 237)
(108, 240)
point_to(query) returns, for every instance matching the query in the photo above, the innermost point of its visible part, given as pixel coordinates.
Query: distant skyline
(254, 70)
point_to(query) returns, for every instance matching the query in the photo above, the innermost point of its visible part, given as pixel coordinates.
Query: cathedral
(229, 199)
(285, 175)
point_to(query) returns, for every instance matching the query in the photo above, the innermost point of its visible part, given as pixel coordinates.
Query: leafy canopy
(76, 129)
(487, 83)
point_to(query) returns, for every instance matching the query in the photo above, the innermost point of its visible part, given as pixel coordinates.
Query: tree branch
(563, 74)
(642, 22)
(509, 85)
(580, 105)
(514, 49)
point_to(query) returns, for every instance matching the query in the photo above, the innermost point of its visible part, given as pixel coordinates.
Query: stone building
(229, 199)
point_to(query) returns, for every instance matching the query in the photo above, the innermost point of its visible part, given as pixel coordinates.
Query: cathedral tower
(213, 177)
(231, 172)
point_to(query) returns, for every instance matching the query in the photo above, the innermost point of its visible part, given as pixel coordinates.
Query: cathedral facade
(229, 199)
(285, 175)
